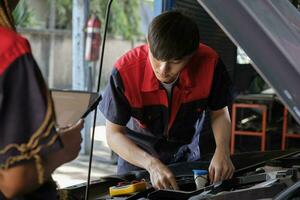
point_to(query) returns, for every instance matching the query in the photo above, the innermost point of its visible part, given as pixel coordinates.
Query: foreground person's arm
(23, 178)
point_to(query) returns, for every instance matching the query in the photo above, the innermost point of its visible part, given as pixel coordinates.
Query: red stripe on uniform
(133, 67)
(158, 97)
(142, 88)
(12, 46)
(195, 80)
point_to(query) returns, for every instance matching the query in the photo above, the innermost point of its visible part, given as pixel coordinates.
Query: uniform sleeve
(26, 114)
(222, 92)
(114, 104)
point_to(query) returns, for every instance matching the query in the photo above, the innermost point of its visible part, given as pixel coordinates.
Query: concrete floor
(76, 171)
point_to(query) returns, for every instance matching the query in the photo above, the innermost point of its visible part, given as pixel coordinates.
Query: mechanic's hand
(221, 167)
(161, 177)
(71, 139)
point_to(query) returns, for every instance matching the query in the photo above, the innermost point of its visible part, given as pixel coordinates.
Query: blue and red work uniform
(169, 130)
(27, 116)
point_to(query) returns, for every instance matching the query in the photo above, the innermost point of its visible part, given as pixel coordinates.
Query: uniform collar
(151, 83)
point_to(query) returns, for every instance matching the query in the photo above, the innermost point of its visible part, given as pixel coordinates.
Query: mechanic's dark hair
(172, 36)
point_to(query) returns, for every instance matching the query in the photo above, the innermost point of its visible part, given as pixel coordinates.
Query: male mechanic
(155, 100)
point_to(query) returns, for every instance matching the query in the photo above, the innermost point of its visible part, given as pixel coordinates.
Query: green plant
(124, 18)
(63, 14)
(23, 16)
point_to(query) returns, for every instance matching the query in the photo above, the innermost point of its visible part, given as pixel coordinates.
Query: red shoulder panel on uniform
(12, 46)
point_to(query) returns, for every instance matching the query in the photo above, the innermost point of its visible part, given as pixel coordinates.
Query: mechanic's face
(167, 71)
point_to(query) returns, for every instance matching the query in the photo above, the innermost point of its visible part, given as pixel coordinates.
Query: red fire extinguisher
(93, 38)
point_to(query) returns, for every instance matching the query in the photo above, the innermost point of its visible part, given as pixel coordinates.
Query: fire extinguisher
(93, 38)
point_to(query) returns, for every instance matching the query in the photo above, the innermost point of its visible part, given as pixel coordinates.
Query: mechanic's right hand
(161, 176)
(71, 139)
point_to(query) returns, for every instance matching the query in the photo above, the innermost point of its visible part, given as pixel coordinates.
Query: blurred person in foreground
(31, 147)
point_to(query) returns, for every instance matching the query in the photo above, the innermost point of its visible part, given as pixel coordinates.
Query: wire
(98, 90)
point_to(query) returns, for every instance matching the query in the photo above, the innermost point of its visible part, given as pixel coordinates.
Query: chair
(261, 133)
(285, 133)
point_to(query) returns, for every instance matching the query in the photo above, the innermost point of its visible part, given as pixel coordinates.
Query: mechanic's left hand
(221, 167)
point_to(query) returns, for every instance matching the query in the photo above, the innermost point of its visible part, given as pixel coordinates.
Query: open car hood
(269, 32)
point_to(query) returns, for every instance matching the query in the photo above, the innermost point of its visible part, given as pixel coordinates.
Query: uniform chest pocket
(194, 107)
(154, 118)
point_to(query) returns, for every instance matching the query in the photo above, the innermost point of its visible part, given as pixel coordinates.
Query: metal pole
(80, 12)
(52, 20)
(79, 66)
(158, 6)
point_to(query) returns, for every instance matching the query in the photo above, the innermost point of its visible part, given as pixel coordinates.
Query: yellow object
(127, 189)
